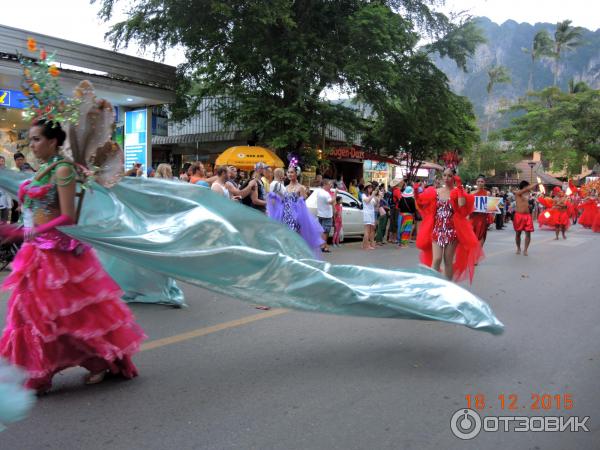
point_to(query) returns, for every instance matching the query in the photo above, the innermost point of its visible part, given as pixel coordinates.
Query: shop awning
(245, 157)
(193, 138)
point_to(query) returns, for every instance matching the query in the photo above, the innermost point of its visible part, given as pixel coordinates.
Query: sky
(82, 24)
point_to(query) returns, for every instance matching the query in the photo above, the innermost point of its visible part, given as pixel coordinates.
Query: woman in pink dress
(64, 310)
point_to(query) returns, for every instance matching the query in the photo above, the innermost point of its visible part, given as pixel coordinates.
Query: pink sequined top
(444, 232)
(42, 196)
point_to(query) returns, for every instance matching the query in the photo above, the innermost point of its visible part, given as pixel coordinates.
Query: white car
(352, 214)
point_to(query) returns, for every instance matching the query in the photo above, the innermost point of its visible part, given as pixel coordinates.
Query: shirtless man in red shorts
(523, 220)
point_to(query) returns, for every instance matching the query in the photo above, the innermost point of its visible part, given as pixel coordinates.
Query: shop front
(132, 85)
(346, 162)
(13, 128)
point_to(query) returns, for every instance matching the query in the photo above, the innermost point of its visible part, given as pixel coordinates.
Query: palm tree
(577, 87)
(541, 46)
(497, 75)
(566, 38)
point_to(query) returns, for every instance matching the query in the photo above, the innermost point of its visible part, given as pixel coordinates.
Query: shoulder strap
(51, 167)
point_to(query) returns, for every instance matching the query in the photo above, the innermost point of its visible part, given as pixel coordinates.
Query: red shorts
(523, 222)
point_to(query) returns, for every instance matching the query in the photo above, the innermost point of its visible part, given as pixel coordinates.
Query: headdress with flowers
(44, 98)
(87, 120)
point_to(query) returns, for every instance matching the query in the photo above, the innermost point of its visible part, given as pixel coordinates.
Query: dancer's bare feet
(524, 252)
(518, 251)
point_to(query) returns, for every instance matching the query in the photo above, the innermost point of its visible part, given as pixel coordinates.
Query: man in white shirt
(325, 211)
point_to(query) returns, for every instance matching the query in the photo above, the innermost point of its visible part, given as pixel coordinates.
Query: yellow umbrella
(244, 157)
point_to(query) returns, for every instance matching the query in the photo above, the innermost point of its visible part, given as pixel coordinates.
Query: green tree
(274, 61)
(488, 158)
(563, 126)
(496, 75)
(541, 46)
(566, 38)
(425, 124)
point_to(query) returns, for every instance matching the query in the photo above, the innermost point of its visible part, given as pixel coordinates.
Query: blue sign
(135, 145)
(12, 99)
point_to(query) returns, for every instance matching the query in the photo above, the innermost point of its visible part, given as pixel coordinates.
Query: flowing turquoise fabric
(180, 231)
(138, 284)
(15, 400)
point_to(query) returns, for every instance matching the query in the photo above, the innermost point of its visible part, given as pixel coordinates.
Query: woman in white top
(369, 199)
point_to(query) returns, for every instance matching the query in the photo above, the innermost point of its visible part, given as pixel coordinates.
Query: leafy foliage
(488, 158)
(277, 59)
(564, 126)
(425, 124)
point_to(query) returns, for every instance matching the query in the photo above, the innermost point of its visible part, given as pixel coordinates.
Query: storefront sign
(347, 153)
(12, 99)
(485, 204)
(136, 145)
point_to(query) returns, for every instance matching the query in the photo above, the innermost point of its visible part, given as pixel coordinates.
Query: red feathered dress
(590, 211)
(468, 250)
(480, 221)
(554, 216)
(596, 224)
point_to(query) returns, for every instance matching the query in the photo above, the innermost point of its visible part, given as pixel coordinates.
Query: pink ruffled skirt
(66, 311)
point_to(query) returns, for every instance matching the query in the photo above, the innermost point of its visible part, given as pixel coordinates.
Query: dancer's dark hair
(51, 130)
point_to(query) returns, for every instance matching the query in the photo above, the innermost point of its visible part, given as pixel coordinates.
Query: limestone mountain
(504, 47)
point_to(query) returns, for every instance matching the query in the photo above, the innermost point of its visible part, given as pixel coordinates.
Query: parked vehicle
(352, 215)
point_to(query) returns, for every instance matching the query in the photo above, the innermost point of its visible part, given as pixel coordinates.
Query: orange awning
(244, 157)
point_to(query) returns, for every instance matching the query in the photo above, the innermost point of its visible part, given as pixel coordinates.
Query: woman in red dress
(446, 233)
(480, 221)
(590, 210)
(64, 310)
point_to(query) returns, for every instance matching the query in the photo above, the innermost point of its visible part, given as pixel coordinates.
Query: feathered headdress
(89, 140)
(88, 121)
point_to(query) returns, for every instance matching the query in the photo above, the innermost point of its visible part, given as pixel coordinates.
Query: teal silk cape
(150, 231)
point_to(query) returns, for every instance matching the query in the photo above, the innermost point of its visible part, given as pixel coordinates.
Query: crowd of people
(390, 213)
(439, 217)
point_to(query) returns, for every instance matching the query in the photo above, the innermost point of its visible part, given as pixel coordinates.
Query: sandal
(95, 378)
(325, 250)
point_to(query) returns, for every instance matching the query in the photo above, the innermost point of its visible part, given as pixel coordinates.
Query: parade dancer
(560, 212)
(523, 222)
(596, 224)
(479, 220)
(64, 310)
(446, 234)
(590, 210)
(287, 205)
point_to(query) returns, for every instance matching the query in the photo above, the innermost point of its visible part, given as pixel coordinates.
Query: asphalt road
(224, 375)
